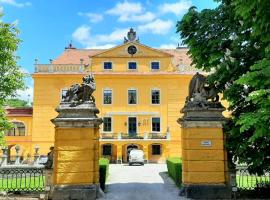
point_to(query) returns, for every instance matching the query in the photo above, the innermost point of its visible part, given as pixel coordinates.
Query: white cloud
(26, 95)
(146, 17)
(167, 46)
(93, 17)
(177, 8)
(115, 36)
(83, 35)
(158, 26)
(130, 12)
(15, 3)
(125, 8)
(104, 46)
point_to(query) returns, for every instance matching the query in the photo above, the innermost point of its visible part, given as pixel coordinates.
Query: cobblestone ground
(148, 182)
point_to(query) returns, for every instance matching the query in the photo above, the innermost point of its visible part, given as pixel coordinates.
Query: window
(154, 65)
(107, 150)
(17, 130)
(107, 96)
(155, 96)
(132, 96)
(63, 94)
(132, 65)
(156, 124)
(107, 124)
(107, 65)
(156, 149)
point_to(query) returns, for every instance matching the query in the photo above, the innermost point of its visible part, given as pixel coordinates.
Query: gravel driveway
(148, 182)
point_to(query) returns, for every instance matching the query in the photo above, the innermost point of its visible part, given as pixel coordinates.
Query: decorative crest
(131, 36)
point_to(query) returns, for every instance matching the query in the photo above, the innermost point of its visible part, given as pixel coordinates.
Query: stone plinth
(203, 153)
(76, 152)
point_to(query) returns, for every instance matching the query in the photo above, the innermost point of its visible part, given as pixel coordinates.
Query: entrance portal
(129, 148)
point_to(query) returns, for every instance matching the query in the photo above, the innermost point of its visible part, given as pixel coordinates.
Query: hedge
(174, 166)
(103, 171)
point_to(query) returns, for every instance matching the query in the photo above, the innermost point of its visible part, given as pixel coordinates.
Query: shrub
(103, 171)
(174, 166)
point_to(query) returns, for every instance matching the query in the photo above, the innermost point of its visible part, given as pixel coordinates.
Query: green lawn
(19, 184)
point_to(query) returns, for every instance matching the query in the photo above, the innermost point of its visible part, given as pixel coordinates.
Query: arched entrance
(129, 148)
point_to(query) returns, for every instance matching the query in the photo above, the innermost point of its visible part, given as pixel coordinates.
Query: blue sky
(47, 26)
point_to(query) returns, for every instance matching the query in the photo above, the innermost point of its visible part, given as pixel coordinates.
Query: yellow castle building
(140, 91)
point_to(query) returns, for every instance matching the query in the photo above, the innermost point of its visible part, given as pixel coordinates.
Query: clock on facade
(132, 49)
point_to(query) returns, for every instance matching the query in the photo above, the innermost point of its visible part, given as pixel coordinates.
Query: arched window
(17, 130)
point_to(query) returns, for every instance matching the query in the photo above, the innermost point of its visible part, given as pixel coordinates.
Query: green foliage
(11, 78)
(103, 171)
(174, 166)
(233, 42)
(16, 103)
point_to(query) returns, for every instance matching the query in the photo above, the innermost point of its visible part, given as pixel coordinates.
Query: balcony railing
(64, 68)
(144, 136)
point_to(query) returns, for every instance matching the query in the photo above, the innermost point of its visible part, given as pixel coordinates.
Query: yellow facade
(76, 156)
(203, 164)
(73, 64)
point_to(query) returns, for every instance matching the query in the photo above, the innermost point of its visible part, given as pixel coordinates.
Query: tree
(233, 42)
(11, 78)
(16, 103)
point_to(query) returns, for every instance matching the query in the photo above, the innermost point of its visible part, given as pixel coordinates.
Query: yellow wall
(25, 142)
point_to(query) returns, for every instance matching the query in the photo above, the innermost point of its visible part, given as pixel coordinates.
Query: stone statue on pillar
(77, 93)
(76, 146)
(204, 158)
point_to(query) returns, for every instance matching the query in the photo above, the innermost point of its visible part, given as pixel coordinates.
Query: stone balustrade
(143, 136)
(60, 68)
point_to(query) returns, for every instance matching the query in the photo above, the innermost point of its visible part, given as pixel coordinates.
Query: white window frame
(130, 116)
(103, 96)
(160, 121)
(151, 65)
(104, 63)
(132, 69)
(26, 128)
(111, 124)
(136, 96)
(62, 93)
(155, 88)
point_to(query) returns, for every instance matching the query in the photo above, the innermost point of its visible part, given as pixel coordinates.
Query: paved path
(148, 182)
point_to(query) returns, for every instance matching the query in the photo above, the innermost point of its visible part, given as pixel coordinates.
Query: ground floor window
(107, 150)
(156, 149)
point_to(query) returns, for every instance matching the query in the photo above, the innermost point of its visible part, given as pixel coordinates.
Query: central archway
(129, 148)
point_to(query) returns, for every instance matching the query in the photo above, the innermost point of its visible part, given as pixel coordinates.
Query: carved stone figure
(81, 93)
(200, 90)
(49, 163)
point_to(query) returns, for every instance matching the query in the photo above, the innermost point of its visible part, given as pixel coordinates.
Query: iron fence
(247, 181)
(22, 179)
(252, 185)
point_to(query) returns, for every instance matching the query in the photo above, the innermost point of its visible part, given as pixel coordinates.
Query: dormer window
(107, 65)
(155, 65)
(132, 65)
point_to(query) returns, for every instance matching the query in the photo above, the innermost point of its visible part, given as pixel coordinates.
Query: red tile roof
(19, 111)
(73, 56)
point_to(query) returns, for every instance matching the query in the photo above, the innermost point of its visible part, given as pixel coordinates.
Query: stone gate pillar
(76, 147)
(204, 173)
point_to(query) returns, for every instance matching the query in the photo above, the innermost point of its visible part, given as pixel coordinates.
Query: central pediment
(131, 49)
